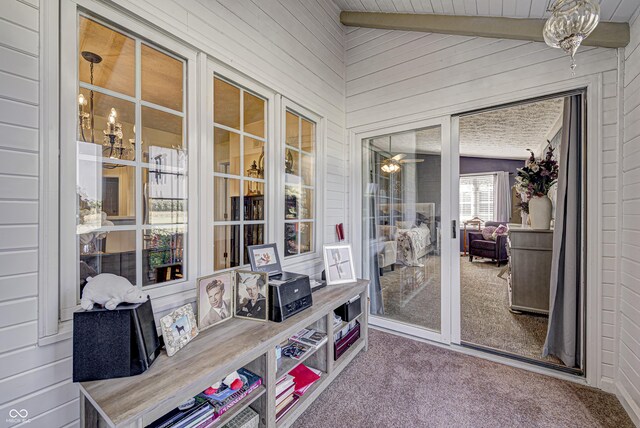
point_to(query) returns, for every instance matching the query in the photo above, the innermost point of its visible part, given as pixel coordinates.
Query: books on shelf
(310, 337)
(286, 409)
(304, 378)
(178, 417)
(251, 382)
(284, 383)
(292, 386)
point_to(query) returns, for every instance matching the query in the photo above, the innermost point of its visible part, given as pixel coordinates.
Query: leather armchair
(494, 250)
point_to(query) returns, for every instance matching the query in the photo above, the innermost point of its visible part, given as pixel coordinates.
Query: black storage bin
(118, 343)
(349, 310)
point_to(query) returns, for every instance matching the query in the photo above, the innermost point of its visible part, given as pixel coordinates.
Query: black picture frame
(256, 263)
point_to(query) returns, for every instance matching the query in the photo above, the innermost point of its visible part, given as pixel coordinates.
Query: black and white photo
(251, 295)
(215, 294)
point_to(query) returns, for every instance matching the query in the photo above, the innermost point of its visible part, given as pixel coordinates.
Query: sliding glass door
(406, 228)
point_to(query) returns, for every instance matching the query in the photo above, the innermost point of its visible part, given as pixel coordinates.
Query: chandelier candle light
(570, 23)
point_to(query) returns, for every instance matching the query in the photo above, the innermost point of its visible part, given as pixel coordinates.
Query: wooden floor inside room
(400, 382)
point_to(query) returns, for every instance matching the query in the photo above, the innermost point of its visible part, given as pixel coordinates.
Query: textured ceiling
(505, 133)
(610, 10)
(509, 132)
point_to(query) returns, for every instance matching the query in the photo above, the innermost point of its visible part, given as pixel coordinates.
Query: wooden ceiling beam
(607, 34)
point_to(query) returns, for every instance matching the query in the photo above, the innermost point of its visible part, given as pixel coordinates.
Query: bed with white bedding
(415, 233)
(413, 244)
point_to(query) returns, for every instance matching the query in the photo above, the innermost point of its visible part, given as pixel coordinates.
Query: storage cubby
(214, 353)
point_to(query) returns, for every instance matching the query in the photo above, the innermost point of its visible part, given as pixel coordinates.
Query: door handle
(454, 229)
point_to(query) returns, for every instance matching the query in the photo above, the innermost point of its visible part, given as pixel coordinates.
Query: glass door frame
(446, 253)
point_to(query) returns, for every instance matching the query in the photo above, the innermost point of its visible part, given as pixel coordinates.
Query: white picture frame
(338, 264)
(178, 327)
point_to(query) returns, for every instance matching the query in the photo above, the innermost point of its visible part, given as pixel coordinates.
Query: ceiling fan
(392, 165)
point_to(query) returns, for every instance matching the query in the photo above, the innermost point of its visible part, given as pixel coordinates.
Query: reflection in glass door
(402, 222)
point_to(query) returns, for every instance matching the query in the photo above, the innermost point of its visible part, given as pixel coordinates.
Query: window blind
(476, 197)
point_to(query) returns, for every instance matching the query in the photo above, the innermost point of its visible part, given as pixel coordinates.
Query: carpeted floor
(400, 382)
(412, 295)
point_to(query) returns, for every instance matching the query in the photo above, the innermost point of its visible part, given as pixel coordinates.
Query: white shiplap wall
(31, 377)
(628, 380)
(396, 75)
(295, 48)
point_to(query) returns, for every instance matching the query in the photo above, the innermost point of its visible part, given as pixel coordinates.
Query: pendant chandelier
(113, 145)
(570, 23)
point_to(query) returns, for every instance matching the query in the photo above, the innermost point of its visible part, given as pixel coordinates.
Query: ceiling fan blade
(412, 160)
(399, 156)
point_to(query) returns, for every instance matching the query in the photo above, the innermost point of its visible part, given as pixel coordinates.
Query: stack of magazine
(209, 407)
(310, 337)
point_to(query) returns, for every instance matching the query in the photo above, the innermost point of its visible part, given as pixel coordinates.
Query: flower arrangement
(537, 176)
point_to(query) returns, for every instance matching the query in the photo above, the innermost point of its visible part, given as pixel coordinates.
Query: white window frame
(481, 174)
(219, 70)
(292, 262)
(68, 263)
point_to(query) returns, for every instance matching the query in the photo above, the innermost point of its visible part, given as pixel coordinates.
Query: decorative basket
(247, 418)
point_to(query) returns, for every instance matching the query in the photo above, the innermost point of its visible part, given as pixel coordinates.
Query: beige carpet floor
(400, 382)
(412, 295)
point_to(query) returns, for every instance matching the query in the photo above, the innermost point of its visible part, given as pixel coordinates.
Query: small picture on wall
(338, 264)
(178, 328)
(215, 294)
(251, 295)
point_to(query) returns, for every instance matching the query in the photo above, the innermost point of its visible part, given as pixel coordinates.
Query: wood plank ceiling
(610, 10)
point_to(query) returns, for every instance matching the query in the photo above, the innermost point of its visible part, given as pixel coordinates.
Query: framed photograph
(215, 299)
(338, 264)
(264, 258)
(178, 328)
(252, 295)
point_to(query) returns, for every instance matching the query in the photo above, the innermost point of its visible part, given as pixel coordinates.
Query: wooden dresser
(529, 270)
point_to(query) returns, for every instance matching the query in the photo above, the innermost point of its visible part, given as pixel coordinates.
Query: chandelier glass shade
(570, 23)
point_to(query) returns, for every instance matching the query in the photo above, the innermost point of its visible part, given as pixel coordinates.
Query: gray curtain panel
(563, 334)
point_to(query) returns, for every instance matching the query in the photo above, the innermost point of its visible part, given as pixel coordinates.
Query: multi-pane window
(131, 158)
(239, 144)
(300, 184)
(476, 197)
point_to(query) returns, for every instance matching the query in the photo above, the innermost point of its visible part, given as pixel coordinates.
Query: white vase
(540, 212)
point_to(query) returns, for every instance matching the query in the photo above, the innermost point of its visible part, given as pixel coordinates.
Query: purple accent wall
(471, 165)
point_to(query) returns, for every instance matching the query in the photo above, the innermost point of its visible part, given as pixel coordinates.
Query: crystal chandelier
(113, 145)
(570, 23)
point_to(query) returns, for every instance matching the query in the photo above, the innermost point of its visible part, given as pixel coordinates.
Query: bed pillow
(500, 230)
(404, 224)
(487, 233)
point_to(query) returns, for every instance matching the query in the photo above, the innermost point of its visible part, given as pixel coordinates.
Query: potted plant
(534, 181)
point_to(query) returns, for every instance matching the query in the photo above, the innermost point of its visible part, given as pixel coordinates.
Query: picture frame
(214, 299)
(338, 264)
(179, 327)
(251, 295)
(264, 258)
